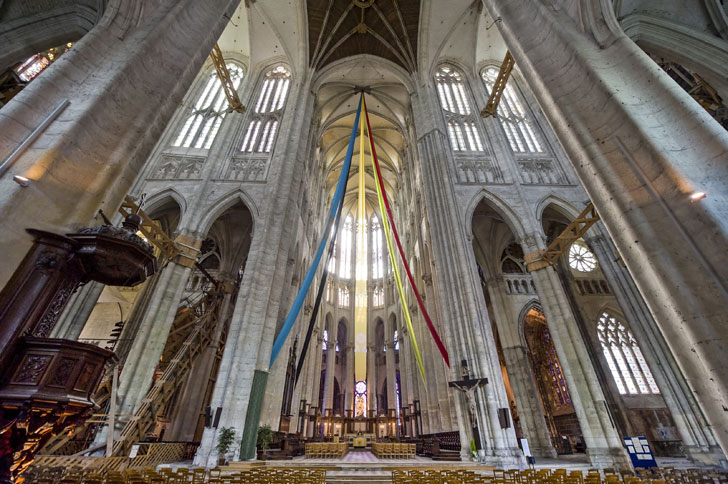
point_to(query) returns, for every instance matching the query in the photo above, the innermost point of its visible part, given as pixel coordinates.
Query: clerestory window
(263, 126)
(516, 121)
(210, 108)
(461, 123)
(624, 357)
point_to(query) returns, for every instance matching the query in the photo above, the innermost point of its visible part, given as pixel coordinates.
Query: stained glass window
(325, 340)
(581, 258)
(517, 123)
(35, 64)
(624, 357)
(210, 108)
(360, 399)
(263, 126)
(344, 296)
(545, 362)
(346, 248)
(32, 67)
(461, 126)
(332, 261)
(378, 297)
(554, 368)
(377, 250)
(396, 341)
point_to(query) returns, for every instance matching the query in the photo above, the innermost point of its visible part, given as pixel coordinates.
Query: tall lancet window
(377, 250)
(624, 357)
(516, 121)
(346, 248)
(332, 261)
(461, 123)
(202, 124)
(263, 126)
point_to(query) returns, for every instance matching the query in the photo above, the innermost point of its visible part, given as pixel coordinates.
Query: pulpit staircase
(194, 328)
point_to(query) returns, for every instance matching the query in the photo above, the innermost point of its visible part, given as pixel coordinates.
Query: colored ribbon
(320, 294)
(420, 302)
(338, 196)
(395, 267)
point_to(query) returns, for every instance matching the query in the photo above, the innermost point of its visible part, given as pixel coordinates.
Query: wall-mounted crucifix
(468, 386)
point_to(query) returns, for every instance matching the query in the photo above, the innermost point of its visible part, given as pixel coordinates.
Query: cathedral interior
(495, 231)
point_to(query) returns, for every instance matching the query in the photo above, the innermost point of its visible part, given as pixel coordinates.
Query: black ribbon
(321, 289)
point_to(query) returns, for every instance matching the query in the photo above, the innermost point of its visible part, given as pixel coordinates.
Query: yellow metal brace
(561, 244)
(151, 230)
(491, 107)
(227, 83)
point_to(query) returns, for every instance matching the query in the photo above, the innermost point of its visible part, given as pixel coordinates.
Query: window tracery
(378, 297)
(624, 357)
(344, 296)
(203, 123)
(377, 250)
(513, 116)
(461, 123)
(263, 126)
(581, 258)
(545, 361)
(346, 248)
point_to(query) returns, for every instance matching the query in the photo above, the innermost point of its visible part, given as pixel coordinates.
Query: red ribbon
(433, 331)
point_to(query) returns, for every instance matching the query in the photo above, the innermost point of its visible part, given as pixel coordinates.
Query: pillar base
(504, 458)
(609, 457)
(545, 452)
(708, 456)
(252, 418)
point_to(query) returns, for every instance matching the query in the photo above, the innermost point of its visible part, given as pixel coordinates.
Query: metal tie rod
(12, 157)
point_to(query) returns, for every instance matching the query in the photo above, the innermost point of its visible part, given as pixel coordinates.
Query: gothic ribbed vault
(385, 28)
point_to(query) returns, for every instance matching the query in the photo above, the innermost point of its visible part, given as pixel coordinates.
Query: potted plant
(265, 437)
(225, 439)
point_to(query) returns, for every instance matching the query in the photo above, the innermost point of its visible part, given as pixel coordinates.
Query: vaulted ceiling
(384, 28)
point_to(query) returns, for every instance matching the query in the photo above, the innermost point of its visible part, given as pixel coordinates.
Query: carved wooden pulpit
(46, 384)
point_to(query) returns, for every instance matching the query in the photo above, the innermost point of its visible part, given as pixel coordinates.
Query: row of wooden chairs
(326, 450)
(394, 450)
(559, 476)
(263, 474)
(438, 477)
(255, 475)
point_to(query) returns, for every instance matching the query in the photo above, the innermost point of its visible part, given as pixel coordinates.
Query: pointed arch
(153, 202)
(562, 206)
(218, 208)
(534, 303)
(510, 217)
(348, 62)
(625, 360)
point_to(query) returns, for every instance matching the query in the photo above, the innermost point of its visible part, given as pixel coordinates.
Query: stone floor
(361, 466)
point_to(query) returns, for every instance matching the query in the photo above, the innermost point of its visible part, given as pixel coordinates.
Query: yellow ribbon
(395, 267)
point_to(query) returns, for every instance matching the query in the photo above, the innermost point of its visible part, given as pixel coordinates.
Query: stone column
(330, 372)
(124, 80)
(189, 405)
(348, 385)
(468, 333)
(641, 146)
(151, 336)
(74, 317)
(371, 372)
(603, 445)
(443, 393)
(520, 373)
(697, 437)
(314, 379)
(390, 367)
(244, 368)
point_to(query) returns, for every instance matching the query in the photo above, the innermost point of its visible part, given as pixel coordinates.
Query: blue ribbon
(301, 296)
